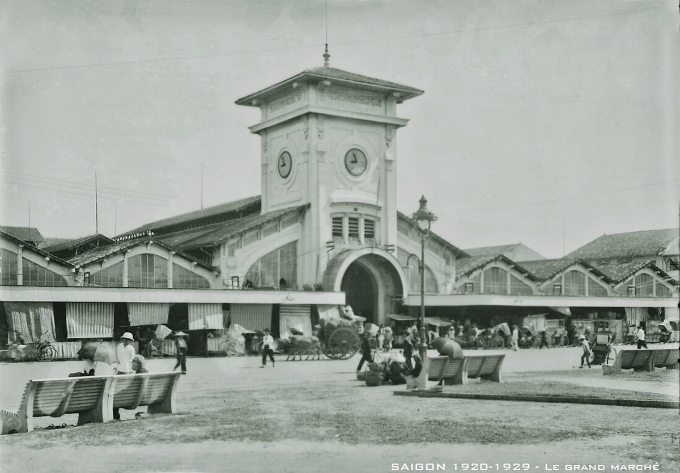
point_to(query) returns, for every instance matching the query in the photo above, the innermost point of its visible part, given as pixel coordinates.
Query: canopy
(401, 317)
(436, 321)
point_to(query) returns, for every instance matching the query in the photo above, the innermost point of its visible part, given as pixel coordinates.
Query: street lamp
(424, 219)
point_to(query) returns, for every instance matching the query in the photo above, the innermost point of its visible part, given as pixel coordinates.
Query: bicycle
(42, 350)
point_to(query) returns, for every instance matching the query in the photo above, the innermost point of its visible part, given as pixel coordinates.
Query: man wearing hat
(125, 352)
(586, 350)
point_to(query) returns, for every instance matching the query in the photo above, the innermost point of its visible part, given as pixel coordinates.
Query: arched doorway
(372, 280)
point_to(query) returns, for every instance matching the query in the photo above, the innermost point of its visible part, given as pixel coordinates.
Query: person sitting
(137, 365)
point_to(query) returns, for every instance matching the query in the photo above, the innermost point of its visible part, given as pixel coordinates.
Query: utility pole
(201, 185)
(96, 205)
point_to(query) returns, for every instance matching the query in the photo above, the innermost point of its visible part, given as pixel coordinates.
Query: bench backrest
(443, 367)
(635, 358)
(132, 391)
(56, 397)
(665, 357)
(485, 365)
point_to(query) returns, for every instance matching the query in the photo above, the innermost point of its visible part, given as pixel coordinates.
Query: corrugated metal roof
(75, 242)
(56, 259)
(512, 251)
(548, 268)
(24, 233)
(630, 244)
(466, 266)
(227, 210)
(619, 272)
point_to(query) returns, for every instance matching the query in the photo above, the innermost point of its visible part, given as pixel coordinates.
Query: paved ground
(217, 380)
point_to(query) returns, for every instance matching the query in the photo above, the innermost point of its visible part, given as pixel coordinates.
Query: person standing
(544, 340)
(641, 342)
(586, 351)
(387, 344)
(182, 350)
(125, 352)
(366, 353)
(408, 348)
(267, 348)
(514, 338)
(381, 336)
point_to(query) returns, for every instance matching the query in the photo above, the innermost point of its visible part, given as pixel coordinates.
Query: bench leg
(496, 375)
(103, 410)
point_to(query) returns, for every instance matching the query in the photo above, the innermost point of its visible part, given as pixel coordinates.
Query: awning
(89, 319)
(148, 313)
(30, 320)
(436, 321)
(401, 317)
(252, 316)
(562, 310)
(205, 316)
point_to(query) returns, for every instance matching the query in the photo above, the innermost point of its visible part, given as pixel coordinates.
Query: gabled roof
(547, 269)
(460, 253)
(337, 75)
(54, 241)
(630, 244)
(235, 227)
(515, 251)
(466, 266)
(104, 252)
(19, 241)
(23, 233)
(620, 272)
(76, 242)
(221, 212)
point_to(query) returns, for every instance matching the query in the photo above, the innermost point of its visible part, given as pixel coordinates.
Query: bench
(92, 398)
(637, 360)
(486, 367)
(666, 357)
(450, 371)
(459, 371)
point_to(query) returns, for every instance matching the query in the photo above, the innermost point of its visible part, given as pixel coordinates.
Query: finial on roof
(326, 57)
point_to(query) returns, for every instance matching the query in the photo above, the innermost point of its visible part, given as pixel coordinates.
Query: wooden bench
(450, 371)
(486, 367)
(637, 360)
(92, 398)
(666, 357)
(459, 371)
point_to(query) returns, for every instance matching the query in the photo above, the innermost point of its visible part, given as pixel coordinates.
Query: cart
(495, 337)
(669, 334)
(528, 337)
(340, 338)
(603, 351)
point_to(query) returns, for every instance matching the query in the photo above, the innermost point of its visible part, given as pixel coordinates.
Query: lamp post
(424, 219)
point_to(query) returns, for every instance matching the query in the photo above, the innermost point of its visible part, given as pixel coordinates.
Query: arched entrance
(372, 279)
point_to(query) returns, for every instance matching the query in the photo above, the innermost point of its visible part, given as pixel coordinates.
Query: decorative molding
(320, 126)
(389, 135)
(305, 126)
(285, 102)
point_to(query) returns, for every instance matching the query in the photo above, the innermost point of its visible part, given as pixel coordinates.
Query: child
(586, 351)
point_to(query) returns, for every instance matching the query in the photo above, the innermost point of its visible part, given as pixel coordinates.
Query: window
(518, 287)
(182, 278)
(369, 228)
(354, 227)
(279, 264)
(147, 270)
(231, 250)
(557, 289)
(644, 285)
(596, 289)
(575, 283)
(337, 226)
(36, 275)
(8, 268)
(495, 281)
(662, 290)
(108, 277)
(469, 287)
(270, 229)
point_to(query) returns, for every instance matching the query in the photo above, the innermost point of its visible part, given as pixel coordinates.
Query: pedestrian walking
(366, 352)
(514, 338)
(544, 340)
(267, 348)
(181, 339)
(641, 337)
(587, 353)
(408, 348)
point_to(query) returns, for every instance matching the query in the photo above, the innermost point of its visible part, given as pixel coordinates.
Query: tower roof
(402, 92)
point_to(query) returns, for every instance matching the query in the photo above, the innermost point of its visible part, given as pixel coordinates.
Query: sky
(543, 122)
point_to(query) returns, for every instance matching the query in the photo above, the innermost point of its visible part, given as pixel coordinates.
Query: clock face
(285, 164)
(356, 162)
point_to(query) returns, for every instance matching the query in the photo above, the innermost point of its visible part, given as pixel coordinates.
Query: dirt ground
(313, 416)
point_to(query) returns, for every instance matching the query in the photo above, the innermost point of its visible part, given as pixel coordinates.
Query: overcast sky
(545, 122)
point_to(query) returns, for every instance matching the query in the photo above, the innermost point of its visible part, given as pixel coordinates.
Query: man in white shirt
(125, 352)
(641, 337)
(267, 348)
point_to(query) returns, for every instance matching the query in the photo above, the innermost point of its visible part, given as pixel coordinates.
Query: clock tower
(328, 139)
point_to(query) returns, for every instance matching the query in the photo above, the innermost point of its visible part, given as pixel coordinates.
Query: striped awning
(294, 316)
(30, 320)
(89, 319)
(148, 313)
(252, 316)
(205, 316)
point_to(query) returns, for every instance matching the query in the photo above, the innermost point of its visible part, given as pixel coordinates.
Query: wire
(291, 48)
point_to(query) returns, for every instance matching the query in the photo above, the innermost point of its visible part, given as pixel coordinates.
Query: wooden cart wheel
(497, 342)
(47, 353)
(343, 343)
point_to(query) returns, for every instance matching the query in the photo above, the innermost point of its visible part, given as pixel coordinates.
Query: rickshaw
(528, 337)
(496, 337)
(603, 351)
(668, 334)
(559, 338)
